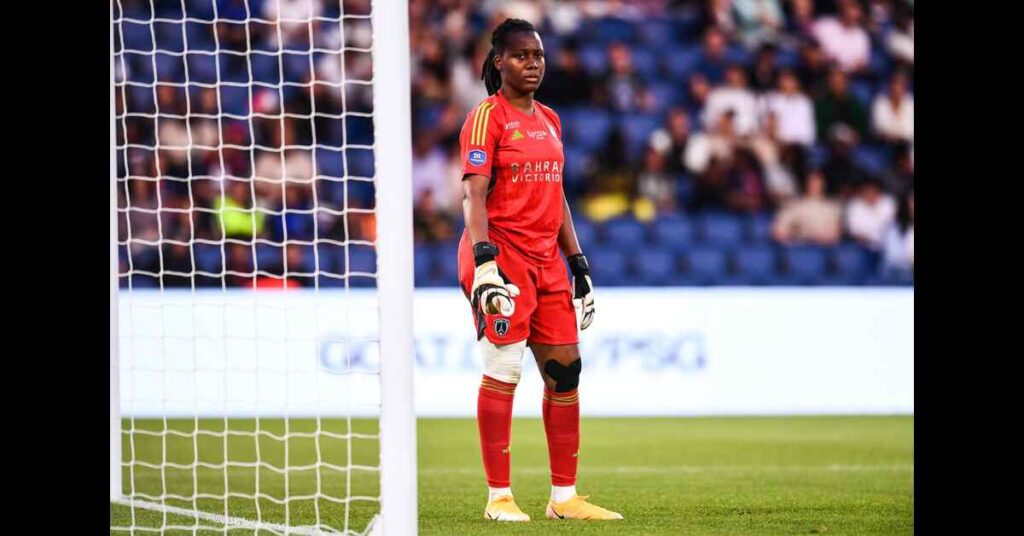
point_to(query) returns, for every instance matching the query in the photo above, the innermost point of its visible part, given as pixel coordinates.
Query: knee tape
(566, 378)
(503, 362)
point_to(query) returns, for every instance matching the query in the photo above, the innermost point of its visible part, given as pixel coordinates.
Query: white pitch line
(225, 520)
(689, 469)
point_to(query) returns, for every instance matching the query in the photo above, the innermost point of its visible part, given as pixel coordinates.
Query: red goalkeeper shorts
(544, 310)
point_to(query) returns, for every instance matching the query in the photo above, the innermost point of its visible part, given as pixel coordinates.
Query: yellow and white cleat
(578, 508)
(504, 508)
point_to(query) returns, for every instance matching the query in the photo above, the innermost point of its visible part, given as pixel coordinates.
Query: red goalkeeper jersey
(522, 154)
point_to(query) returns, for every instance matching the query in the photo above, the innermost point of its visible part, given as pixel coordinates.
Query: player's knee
(503, 362)
(567, 377)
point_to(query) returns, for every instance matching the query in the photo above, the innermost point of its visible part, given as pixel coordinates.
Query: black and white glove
(582, 288)
(492, 292)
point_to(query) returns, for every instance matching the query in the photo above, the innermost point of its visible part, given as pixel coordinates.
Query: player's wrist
(484, 252)
(578, 265)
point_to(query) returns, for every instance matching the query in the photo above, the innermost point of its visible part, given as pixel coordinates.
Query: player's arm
(492, 292)
(582, 288)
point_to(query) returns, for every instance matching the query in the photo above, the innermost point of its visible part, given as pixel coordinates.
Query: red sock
(562, 426)
(494, 419)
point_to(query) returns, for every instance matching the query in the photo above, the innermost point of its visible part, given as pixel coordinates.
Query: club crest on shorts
(501, 326)
(477, 157)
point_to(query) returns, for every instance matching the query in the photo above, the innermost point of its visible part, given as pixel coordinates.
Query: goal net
(260, 232)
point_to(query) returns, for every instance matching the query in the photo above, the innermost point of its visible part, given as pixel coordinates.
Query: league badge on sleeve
(477, 157)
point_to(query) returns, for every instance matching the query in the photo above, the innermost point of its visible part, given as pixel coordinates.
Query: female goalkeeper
(517, 219)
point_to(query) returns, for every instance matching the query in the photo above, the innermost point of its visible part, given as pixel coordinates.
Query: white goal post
(234, 407)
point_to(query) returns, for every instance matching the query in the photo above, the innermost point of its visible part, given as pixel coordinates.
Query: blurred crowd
(249, 123)
(799, 109)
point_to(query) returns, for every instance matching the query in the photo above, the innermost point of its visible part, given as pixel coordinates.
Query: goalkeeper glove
(582, 288)
(492, 292)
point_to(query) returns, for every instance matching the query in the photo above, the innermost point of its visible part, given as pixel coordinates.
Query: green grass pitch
(757, 475)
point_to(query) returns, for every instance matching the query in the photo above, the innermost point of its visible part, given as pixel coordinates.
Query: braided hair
(499, 40)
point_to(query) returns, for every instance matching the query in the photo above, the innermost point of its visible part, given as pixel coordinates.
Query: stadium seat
(659, 33)
(362, 265)
(806, 264)
(594, 58)
(265, 69)
(588, 129)
(140, 68)
(871, 159)
(576, 165)
(169, 36)
(636, 130)
(169, 68)
(331, 257)
(666, 95)
(645, 63)
(201, 68)
(705, 266)
(608, 267)
(680, 62)
(296, 67)
(608, 29)
(234, 100)
(759, 229)
(360, 162)
(757, 264)
(586, 232)
(208, 257)
(423, 265)
(851, 264)
(624, 234)
(446, 263)
(270, 257)
(655, 267)
(721, 229)
(674, 233)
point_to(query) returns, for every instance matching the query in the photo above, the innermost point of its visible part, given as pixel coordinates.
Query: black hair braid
(499, 40)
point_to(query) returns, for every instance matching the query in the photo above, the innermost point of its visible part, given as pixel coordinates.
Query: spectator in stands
(718, 144)
(757, 21)
(236, 209)
(711, 187)
(465, 76)
(770, 152)
(429, 223)
(621, 89)
(844, 39)
(712, 62)
(900, 40)
(838, 105)
(801, 21)
(898, 252)
(430, 173)
(655, 188)
(697, 91)
(765, 69)
(812, 218)
(670, 140)
(842, 174)
(609, 192)
(177, 258)
(238, 271)
(793, 110)
(813, 68)
(899, 178)
(869, 214)
(566, 82)
(893, 112)
(746, 188)
(734, 96)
